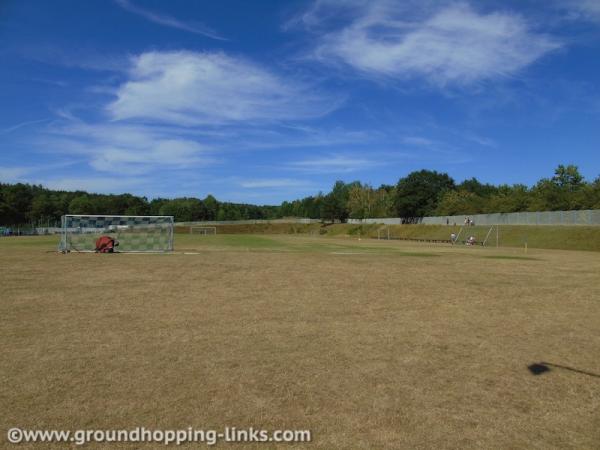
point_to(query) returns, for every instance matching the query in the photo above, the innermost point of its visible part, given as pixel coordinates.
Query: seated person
(106, 244)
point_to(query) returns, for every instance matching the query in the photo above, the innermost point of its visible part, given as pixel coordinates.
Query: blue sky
(263, 101)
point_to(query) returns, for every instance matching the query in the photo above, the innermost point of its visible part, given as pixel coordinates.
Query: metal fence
(248, 222)
(581, 217)
(48, 230)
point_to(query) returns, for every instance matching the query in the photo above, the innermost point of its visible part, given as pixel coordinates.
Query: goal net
(475, 235)
(134, 233)
(204, 231)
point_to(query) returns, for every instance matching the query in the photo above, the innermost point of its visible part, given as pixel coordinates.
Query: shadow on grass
(543, 367)
(416, 254)
(525, 258)
(379, 253)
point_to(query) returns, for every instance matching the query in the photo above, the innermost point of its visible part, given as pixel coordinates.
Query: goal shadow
(543, 367)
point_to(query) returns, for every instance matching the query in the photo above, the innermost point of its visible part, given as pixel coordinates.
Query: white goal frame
(204, 230)
(487, 236)
(136, 234)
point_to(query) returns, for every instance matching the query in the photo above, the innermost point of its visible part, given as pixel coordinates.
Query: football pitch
(367, 343)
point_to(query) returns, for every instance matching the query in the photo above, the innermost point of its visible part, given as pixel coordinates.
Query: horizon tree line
(418, 194)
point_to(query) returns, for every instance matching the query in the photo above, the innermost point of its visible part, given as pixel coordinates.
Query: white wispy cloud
(13, 174)
(270, 183)
(104, 184)
(182, 110)
(190, 88)
(417, 141)
(286, 136)
(335, 163)
(21, 125)
(169, 21)
(583, 9)
(129, 149)
(320, 12)
(453, 44)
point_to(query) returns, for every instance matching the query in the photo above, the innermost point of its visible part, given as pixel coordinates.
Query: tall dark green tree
(418, 194)
(507, 199)
(82, 204)
(474, 186)
(211, 206)
(567, 177)
(183, 209)
(43, 208)
(18, 198)
(335, 204)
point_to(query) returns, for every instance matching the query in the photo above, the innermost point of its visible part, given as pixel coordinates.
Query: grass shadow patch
(524, 258)
(250, 241)
(419, 254)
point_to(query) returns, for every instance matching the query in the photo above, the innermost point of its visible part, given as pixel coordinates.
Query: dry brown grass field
(368, 344)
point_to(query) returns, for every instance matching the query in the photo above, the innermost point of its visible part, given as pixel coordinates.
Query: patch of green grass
(237, 241)
(545, 236)
(47, 242)
(287, 243)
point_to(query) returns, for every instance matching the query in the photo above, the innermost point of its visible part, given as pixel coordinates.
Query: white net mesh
(204, 231)
(134, 233)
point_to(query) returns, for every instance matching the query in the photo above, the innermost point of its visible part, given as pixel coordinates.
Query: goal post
(135, 234)
(492, 238)
(203, 230)
(475, 235)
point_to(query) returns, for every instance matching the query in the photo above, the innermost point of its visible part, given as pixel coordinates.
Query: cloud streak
(168, 21)
(270, 183)
(334, 163)
(584, 9)
(21, 125)
(113, 185)
(13, 174)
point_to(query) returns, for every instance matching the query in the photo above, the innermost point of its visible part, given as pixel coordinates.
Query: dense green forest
(429, 193)
(24, 204)
(420, 193)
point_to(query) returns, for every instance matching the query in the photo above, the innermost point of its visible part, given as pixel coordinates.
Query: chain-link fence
(298, 220)
(581, 217)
